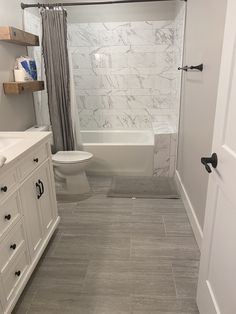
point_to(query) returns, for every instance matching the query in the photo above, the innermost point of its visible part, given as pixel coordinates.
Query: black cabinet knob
(213, 160)
(18, 273)
(7, 217)
(13, 246)
(4, 188)
(36, 160)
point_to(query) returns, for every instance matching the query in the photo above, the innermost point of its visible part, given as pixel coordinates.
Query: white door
(47, 208)
(217, 277)
(30, 201)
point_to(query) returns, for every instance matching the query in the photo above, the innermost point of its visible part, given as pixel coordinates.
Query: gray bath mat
(143, 187)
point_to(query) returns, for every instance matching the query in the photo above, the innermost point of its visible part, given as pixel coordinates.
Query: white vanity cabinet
(28, 216)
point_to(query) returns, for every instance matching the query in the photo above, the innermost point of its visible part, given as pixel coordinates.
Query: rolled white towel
(2, 160)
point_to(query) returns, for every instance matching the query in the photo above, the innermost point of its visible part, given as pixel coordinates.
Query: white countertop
(15, 144)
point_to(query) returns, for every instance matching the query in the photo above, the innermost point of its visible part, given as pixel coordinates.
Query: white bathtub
(120, 152)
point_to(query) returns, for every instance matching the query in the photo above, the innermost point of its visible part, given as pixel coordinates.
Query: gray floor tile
(116, 256)
(130, 266)
(59, 271)
(85, 305)
(160, 305)
(188, 268)
(186, 286)
(177, 225)
(146, 218)
(93, 247)
(147, 230)
(100, 229)
(154, 285)
(172, 247)
(108, 284)
(26, 299)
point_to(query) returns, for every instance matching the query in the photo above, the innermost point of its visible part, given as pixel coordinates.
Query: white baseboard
(197, 230)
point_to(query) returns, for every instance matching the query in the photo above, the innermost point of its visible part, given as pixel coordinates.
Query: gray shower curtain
(55, 53)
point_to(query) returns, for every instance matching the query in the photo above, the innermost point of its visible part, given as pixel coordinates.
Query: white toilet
(71, 165)
(69, 168)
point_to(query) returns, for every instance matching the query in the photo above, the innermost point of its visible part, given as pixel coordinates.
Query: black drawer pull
(18, 273)
(41, 185)
(36, 160)
(7, 217)
(4, 188)
(38, 189)
(13, 246)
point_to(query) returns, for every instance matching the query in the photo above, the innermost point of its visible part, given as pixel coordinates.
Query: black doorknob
(213, 160)
(36, 160)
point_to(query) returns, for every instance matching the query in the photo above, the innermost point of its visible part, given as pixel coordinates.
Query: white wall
(203, 43)
(16, 112)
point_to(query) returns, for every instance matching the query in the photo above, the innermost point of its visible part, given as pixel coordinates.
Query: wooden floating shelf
(17, 88)
(17, 36)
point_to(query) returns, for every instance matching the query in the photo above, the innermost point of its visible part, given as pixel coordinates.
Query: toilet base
(73, 185)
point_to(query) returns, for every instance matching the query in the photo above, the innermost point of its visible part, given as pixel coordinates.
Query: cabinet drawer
(9, 212)
(7, 183)
(14, 274)
(33, 160)
(11, 245)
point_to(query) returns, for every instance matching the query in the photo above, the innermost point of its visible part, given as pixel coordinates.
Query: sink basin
(6, 142)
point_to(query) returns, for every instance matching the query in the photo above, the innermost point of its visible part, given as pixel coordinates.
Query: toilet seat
(71, 157)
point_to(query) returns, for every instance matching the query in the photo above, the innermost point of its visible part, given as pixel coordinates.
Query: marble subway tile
(162, 84)
(113, 81)
(141, 102)
(82, 37)
(88, 81)
(117, 37)
(173, 144)
(163, 24)
(139, 91)
(141, 59)
(172, 166)
(164, 36)
(142, 25)
(162, 102)
(81, 60)
(141, 81)
(141, 37)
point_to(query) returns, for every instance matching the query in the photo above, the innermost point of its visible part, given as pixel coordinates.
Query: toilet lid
(70, 157)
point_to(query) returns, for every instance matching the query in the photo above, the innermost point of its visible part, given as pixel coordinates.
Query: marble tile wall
(165, 141)
(166, 129)
(124, 73)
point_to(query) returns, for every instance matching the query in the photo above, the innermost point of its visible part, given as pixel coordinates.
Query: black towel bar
(192, 67)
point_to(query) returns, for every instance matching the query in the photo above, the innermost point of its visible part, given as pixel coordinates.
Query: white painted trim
(197, 230)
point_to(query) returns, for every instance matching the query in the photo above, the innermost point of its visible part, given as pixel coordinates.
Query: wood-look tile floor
(116, 256)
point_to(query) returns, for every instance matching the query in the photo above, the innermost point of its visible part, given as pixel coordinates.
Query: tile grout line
(163, 221)
(176, 293)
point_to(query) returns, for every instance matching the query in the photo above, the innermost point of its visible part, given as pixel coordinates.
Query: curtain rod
(66, 4)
